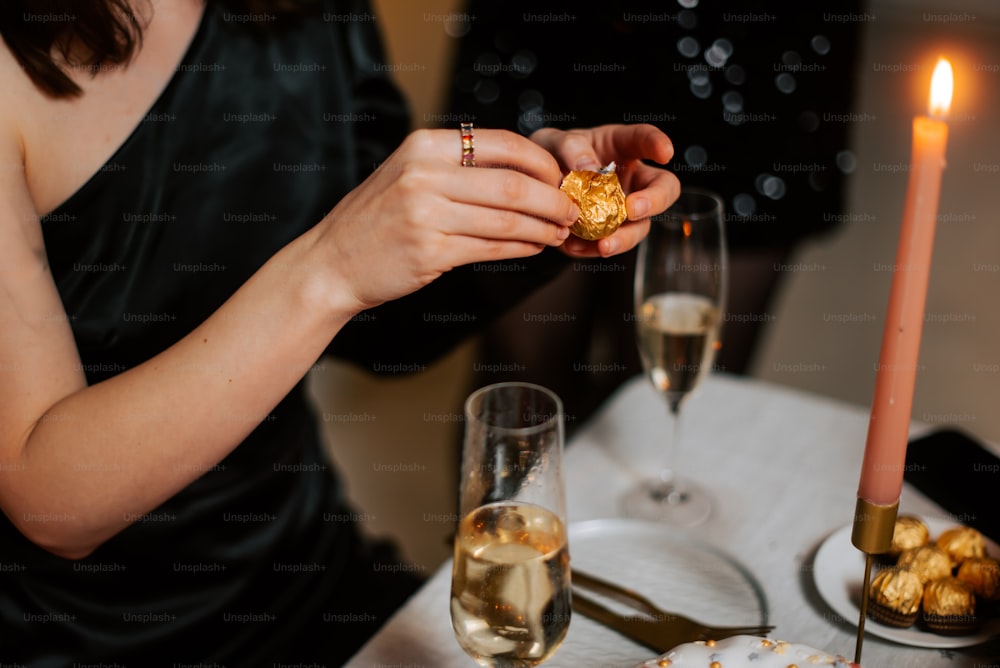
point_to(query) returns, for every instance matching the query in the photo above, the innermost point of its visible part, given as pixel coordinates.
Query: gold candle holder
(872, 534)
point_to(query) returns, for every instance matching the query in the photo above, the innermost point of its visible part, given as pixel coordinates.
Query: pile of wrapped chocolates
(947, 586)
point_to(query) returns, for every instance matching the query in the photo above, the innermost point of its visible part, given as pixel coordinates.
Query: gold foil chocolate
(949, 607)
(961, 543)
(927, 562)
(898, 590)
(601, 200)
(908, 533)
(948, 596)
(982, 576)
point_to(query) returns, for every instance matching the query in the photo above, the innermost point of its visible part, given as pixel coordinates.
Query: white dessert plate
(838, 571)
(674, 572)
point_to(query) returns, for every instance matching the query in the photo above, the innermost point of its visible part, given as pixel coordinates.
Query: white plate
(838, 571)
(674, 572)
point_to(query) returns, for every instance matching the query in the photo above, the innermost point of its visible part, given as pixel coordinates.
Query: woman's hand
(648, 190)
(421, 214)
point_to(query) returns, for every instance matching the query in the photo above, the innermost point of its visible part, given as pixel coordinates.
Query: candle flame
(942, 83)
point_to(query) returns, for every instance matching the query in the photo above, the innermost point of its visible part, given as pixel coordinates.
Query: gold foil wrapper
(961, 543)
(927, 562)
(898, 589)
(982, 575)
(909, 532)
(947, 597)
(601, 200)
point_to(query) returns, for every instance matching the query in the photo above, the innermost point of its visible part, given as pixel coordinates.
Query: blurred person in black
(756, 100)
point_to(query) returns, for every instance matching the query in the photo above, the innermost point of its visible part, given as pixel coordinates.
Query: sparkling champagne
(677, 333)
(510, 593)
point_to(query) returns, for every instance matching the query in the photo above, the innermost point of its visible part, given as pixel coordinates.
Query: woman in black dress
(197, 201)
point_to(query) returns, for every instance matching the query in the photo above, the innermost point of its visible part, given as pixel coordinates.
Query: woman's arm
(465, 300)
(78, 462)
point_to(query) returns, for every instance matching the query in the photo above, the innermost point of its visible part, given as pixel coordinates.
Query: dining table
(782, 467)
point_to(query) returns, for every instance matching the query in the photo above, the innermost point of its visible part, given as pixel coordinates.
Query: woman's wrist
(321, 287)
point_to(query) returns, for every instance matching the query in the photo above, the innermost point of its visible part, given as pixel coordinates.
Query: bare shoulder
(12, 79)
(18, 217)
(90, 126)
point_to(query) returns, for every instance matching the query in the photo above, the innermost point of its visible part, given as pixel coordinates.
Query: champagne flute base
(680, 502)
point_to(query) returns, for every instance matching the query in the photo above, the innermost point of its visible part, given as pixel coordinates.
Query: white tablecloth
(783, 467)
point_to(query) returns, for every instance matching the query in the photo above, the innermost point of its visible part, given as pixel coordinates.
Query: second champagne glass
(510, 588)
(680, 286)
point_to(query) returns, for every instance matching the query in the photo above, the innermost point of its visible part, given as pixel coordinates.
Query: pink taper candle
(896, 376)
(888, 429)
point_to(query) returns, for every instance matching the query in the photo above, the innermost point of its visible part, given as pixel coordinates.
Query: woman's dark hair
(47, 37)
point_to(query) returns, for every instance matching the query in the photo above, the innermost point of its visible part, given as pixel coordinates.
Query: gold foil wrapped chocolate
(894, 597)
(927, 562)
(601, 200)
(982, 576)
(948, 596)
(949, 607)
(961, 543)
(908, 533)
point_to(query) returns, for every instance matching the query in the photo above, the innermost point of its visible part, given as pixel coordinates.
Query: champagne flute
(680, 289)
(510, 588)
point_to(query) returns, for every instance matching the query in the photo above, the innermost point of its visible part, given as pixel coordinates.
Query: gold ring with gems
(468, 146)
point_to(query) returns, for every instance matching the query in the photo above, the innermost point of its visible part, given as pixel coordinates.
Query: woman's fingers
(650, 189)
(486, 222)
(574, 149)
(504, 197)
(493, 148)
(633, 142)
(509, 190)
(624, 239)
(595, 147)
(463, 250)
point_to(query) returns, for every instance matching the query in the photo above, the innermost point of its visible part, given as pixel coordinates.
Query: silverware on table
(655, 628)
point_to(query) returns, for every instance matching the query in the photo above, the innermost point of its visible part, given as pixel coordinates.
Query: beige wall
(829, 322)
(417, 40)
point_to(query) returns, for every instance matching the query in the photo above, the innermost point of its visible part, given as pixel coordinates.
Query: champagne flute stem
(666, 490)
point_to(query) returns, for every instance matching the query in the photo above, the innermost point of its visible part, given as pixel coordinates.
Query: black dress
(258, 134)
